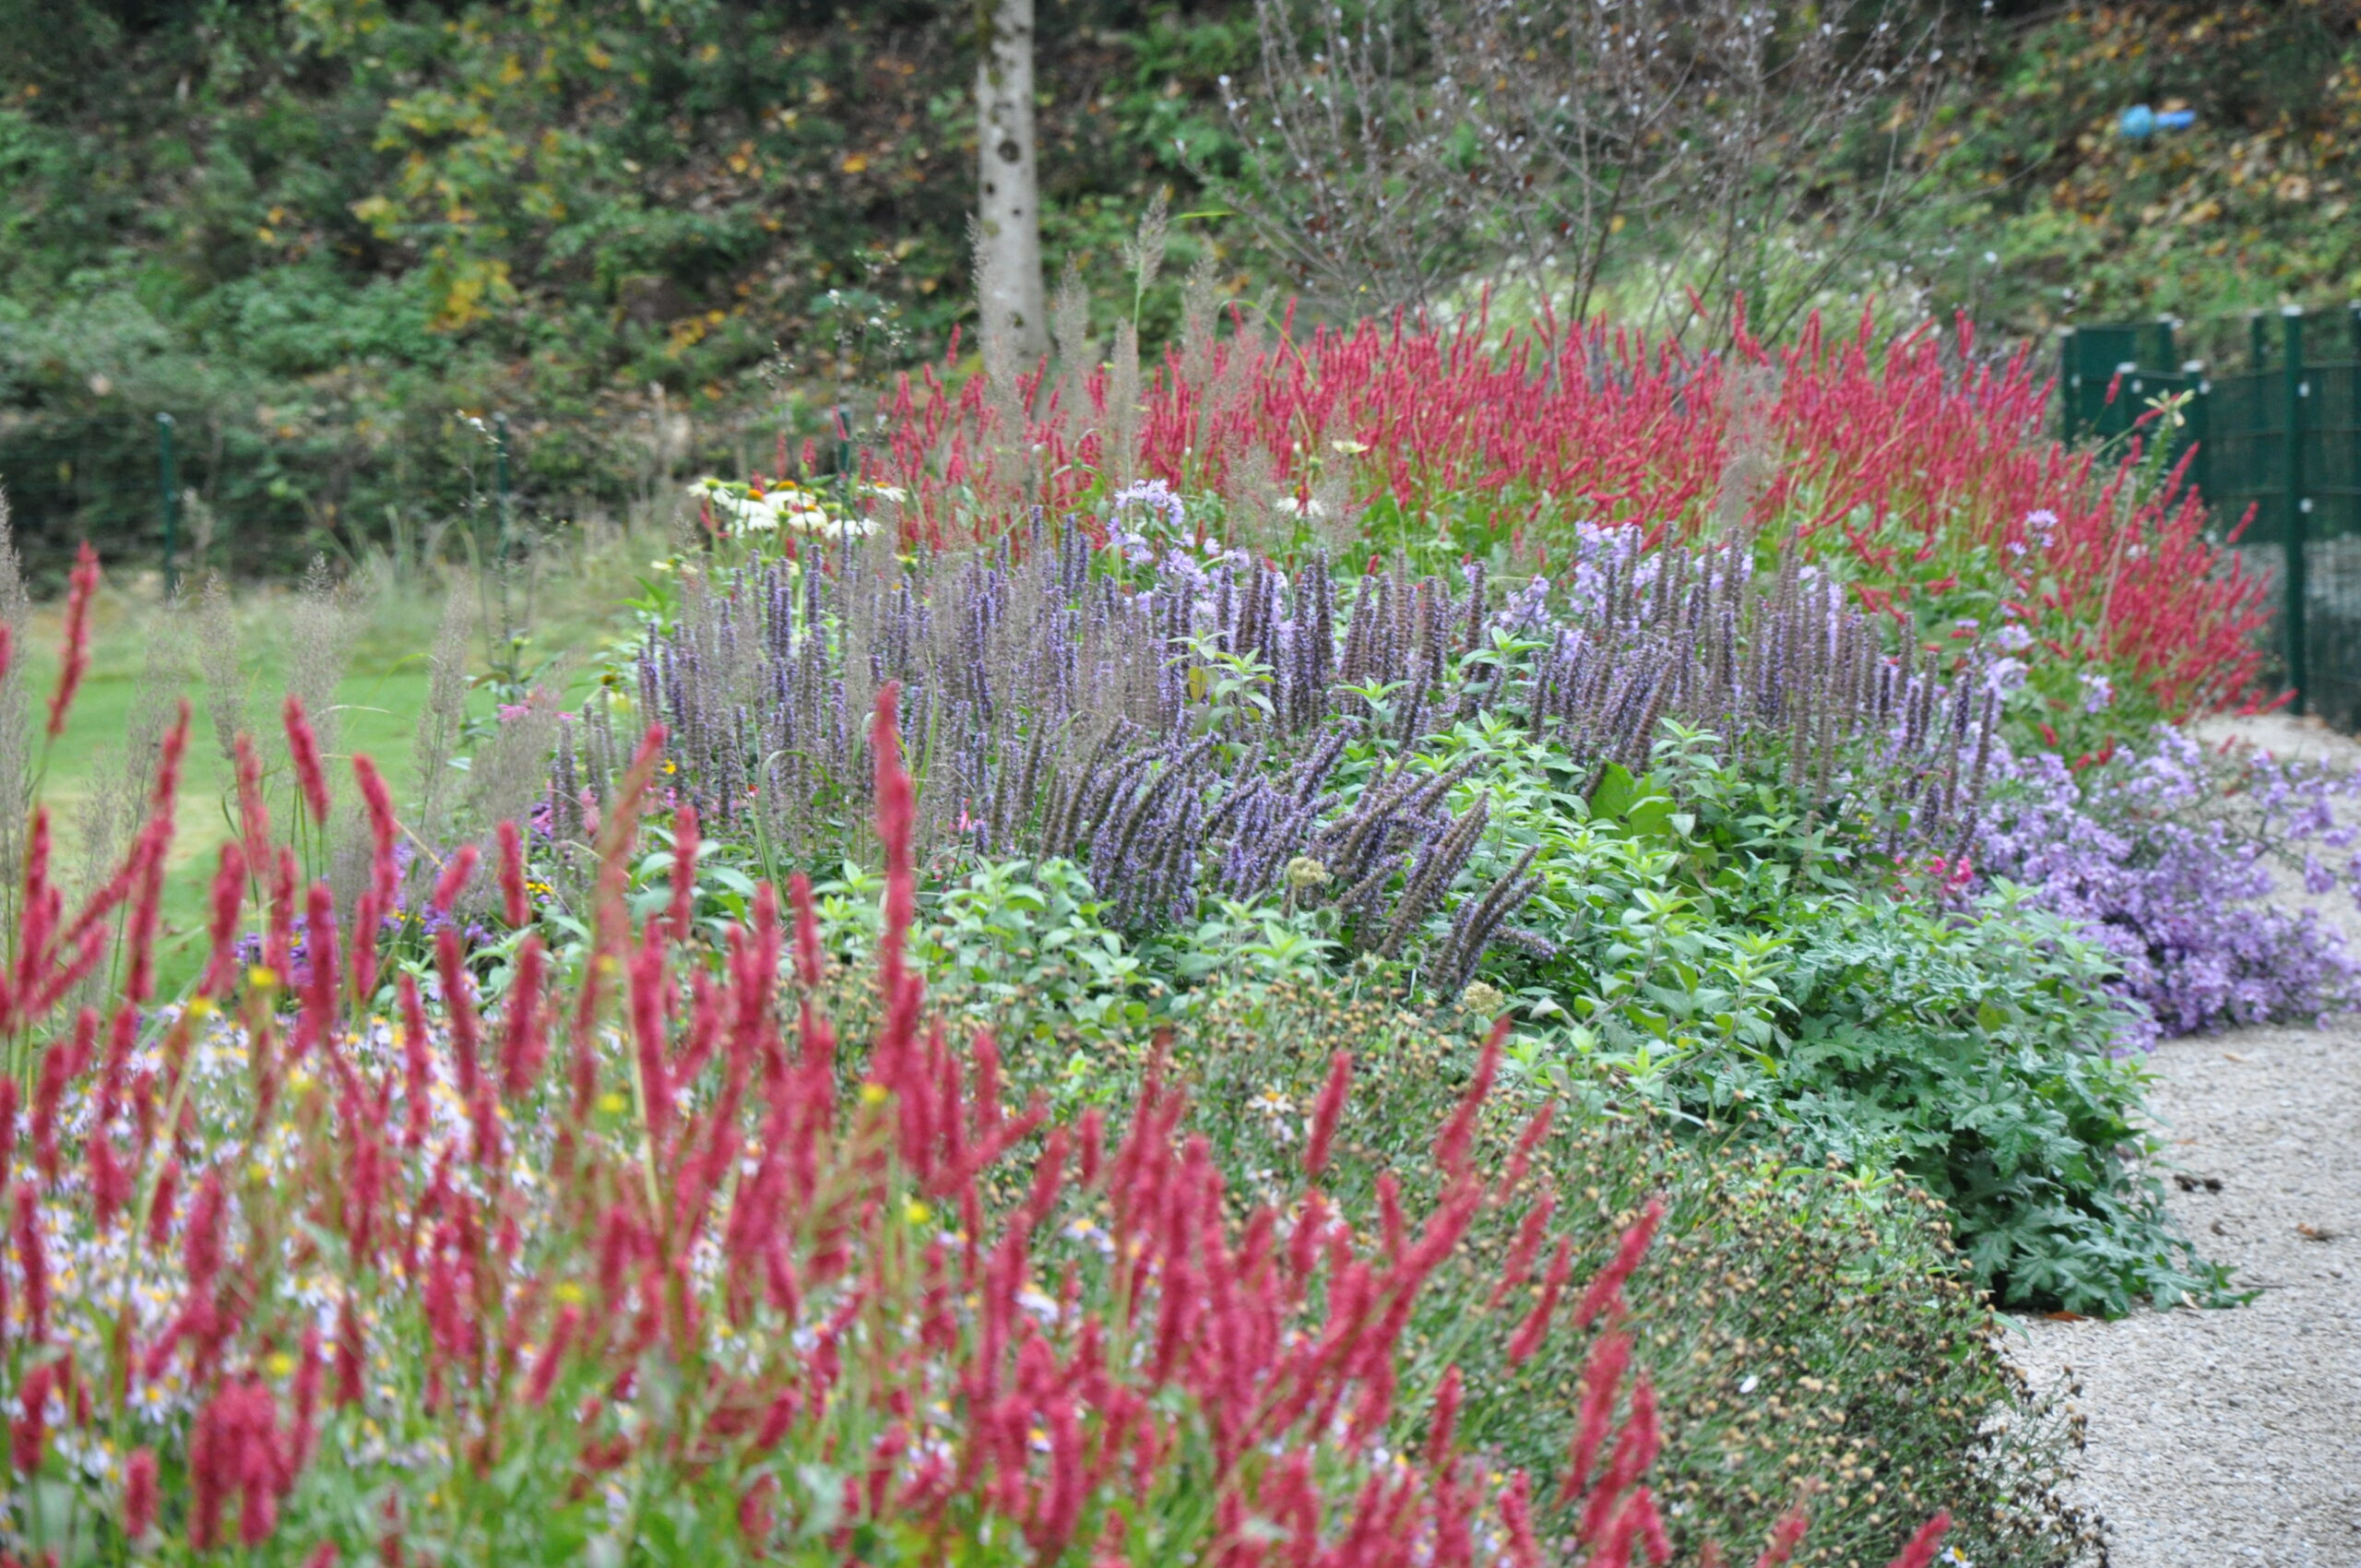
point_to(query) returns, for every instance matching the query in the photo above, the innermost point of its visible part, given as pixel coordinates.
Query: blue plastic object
(2139, 122)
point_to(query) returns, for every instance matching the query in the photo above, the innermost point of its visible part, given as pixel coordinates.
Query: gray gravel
(2234, 1437)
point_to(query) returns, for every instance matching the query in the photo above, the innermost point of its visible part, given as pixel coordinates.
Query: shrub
(1802, 1321)
(1712, 941)
(1976, 1049)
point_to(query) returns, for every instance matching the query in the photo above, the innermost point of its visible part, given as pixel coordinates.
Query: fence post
(2069, 388)
(168, 491)
(2299, 504)
(2200, 428)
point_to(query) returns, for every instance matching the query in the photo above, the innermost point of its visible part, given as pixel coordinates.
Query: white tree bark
(1008, 289)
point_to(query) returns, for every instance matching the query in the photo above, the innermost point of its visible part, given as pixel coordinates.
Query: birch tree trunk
(1008, 289)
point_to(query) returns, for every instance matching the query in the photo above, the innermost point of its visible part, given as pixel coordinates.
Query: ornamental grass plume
(710, 1287)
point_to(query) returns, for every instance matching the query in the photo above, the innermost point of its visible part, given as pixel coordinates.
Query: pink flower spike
(1786, 1535)
(74, 659)
(1329, 1111)
(1920, 1552)
(514, 905)
(456, 872)
(1606, 1292)
(304, 749)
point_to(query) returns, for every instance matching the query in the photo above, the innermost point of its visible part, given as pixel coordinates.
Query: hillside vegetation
(316, 230)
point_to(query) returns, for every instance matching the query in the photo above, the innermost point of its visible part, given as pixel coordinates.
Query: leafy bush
(1716, 947)
(1977, 1051)
(1803, 1322)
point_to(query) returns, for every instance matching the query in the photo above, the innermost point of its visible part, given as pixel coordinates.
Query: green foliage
(318, 231)
(2042, 211)
(1976, 1051)
(1802, 1320)
(1731, 959)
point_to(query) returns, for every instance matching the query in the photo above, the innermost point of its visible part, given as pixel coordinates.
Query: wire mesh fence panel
(2275, 426)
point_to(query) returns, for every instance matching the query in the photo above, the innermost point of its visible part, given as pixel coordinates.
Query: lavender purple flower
(2164, 856)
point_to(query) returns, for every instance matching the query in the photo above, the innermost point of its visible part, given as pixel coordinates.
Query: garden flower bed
(1406, 1026)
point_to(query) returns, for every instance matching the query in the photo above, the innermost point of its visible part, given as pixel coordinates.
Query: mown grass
(576, 608)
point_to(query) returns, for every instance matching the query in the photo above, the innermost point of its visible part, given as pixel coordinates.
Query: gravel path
(2234, 1437)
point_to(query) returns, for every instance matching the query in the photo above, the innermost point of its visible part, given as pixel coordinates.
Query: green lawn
(378, 703)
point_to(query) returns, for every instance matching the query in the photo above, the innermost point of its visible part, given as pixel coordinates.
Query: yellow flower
(873, 1094)
(612, 1103)
(262, 977)
(916, 1212)
(200, 1007)
(568, 1293)
(281, 1364)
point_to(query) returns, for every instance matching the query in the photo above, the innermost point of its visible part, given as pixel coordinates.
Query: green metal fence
(2275, 423)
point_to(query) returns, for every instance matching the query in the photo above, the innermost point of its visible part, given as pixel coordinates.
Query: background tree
(1397, 149)
(1008, 205)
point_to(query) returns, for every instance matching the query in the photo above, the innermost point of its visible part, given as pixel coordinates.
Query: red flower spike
(139, 1494)
(1602, 1380)
(525, 1030)
(1536, 1326)
(1444, 1428)
(456, 872)
(1920, 1552)
(1606, 1292)
(553, 1357)
(515, 906)
(304, 751)
(28, 1433)
(807, 931)
(1327, 1112)
(73, 658)
(1530, 1233)
(32, 1259)
(228, 903)
(1452, 1145)
(1521, 1157)
(1786, 1535)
